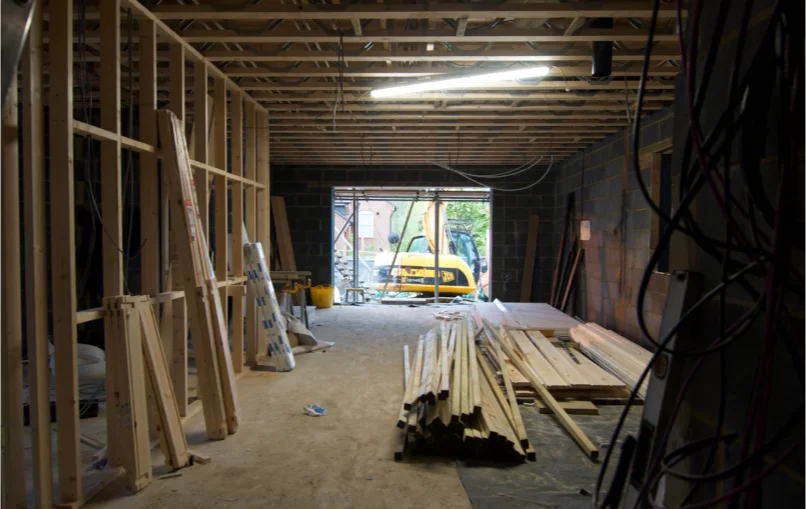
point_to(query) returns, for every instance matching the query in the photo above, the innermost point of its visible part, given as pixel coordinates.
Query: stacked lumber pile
(140, 395)
(616, 354)
(205, 310)
(452, 403)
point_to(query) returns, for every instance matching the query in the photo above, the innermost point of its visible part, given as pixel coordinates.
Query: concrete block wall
(308, 195)
(620, 230)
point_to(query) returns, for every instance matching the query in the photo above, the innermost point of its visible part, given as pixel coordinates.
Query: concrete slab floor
(281, 458)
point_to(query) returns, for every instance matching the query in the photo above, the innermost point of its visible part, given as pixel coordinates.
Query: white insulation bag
(268, 309)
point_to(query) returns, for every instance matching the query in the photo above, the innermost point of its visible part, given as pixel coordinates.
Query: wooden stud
(63, 260)
(250, 220)
(263, 177)
(475, 390)
(36, 283)
(219, 137)
(283, 234)
(520, 428)
(171, 330)
(172, 435)
(404, 11)
(13, 430)
(569, 285)
(403, 434)
(149, 176)
(200, 140)
(466, 404)
(111, 180)
(236, 140)
(179, 359)
(529, 261)
(456, 382)
(410, 397)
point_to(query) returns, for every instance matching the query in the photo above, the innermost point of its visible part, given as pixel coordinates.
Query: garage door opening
(411, 245)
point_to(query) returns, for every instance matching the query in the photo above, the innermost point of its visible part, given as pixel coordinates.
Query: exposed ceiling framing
(285, 53)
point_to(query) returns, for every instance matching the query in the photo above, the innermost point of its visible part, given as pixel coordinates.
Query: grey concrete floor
(282, 458)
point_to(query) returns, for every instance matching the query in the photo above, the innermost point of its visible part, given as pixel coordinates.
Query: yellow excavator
(412, 270)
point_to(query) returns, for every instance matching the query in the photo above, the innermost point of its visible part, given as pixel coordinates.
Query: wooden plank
(597, 376)
(403, 434)
(519, 427)
(150, 200)
(529, 261)
(127, 410)
(263, 177)
(446, 329)
(201, 149)
(236, 164)
(413, 11)
(219, 140)
(191, 245)
(561, 363)
(283, 234)
(13, 429)
(36, 275)
(523, 315)
(428, 374)
(179, 359)
(570, 407)
(569, 285)
(63, 261)
(639, 353)
(561, 250)
(473, 364)
(411, 393)
(171, 326)
(466, 404)
(544, 371)
(111, 176)
(570, 426)
(456, 381)
(250, 220)
(172, 435)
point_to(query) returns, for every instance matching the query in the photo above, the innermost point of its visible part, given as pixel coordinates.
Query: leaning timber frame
(239, 146)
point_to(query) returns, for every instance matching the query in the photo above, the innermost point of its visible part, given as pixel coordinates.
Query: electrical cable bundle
(759, 210)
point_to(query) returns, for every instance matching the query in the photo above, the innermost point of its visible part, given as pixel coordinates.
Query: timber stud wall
(243, 169)
(308, 194)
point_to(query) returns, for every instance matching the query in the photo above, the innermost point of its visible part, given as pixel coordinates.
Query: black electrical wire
(773, 291)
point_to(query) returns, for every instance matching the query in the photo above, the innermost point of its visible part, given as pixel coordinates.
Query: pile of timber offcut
(452, 404)
(617, 354)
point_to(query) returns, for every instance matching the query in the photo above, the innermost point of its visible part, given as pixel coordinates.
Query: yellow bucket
(322, 296)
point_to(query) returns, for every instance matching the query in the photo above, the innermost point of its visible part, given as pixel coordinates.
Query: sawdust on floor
(282, 458)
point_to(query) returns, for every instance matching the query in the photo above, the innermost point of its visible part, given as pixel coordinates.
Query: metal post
(437, 235)
(399, 243)
(355, 242)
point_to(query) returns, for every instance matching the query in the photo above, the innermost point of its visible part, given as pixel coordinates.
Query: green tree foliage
(475, 217)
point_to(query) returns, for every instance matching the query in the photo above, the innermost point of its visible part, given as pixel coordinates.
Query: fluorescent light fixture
(463, 82)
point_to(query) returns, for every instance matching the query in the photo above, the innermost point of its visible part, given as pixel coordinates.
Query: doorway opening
(408, 244)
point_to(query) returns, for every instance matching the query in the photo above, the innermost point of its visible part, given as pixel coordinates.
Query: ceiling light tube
(461, 83)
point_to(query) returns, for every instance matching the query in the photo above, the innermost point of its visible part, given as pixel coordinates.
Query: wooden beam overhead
(631, 70)
(380, 55)
(271, 11)
(289, 34)
(544, 85)
(458, 96)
